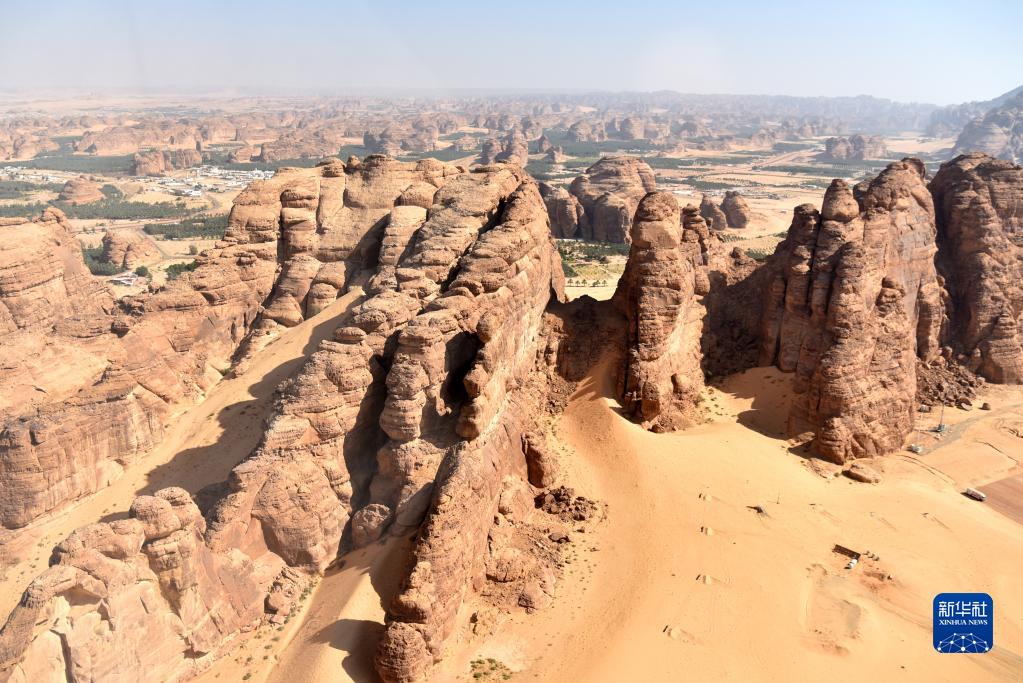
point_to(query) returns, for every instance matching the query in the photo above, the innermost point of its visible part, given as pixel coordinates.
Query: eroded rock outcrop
(564, 210)
(854, 302)
(127, 249)
(712, 213)
(736, 210)
(159, 162)
(423, 410)
(80, 191)
(658, 294)
(609, 192)
(854, 148)
(108, 373)
(142, 597)
(979, 205)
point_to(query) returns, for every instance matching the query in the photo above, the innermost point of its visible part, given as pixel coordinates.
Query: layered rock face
(582, 131)
(854, 302)
(243, 154)
(854, 148)
(159, 162)
(659, 296)
(328, 222)
(608, 194)
(456, 542)
(998, 133)
(422, 411)
(979, 205)
(513, 150)
(80, 191)
(109, 373)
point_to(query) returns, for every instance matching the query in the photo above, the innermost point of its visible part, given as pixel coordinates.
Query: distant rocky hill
(950, 120)
(999, 132)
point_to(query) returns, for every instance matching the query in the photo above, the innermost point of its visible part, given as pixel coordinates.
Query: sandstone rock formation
(422, 411)
(736, 210)
(979, 205)
(489, 150)
(632, 128)
(127, 249)
(137, 598)
(854, 148)
(998, 133)
(515, 150)
(662, 378)
(712, 213)
(556, 155)
(564, 210)
(318, 226)
(244, 154)
(854, 302)
(582, 131)
(950, 120)
(80, 191)
(609, 192)
(106, 373)
(159, 162)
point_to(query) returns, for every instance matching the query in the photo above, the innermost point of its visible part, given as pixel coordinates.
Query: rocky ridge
(421, 411)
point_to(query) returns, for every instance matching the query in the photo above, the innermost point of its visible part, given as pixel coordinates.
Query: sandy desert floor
(685, 581)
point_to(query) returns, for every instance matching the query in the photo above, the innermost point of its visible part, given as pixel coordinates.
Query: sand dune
(688, 583)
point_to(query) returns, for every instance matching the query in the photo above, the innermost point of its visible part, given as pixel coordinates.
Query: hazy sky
(935, 51)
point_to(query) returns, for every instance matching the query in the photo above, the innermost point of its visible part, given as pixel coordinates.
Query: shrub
(175, 270)
(93, 257)
(111, 192)
(118, 209)
(16, 189)
(202, 226)
(142, 271)
(21, 210)
(79, 163)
